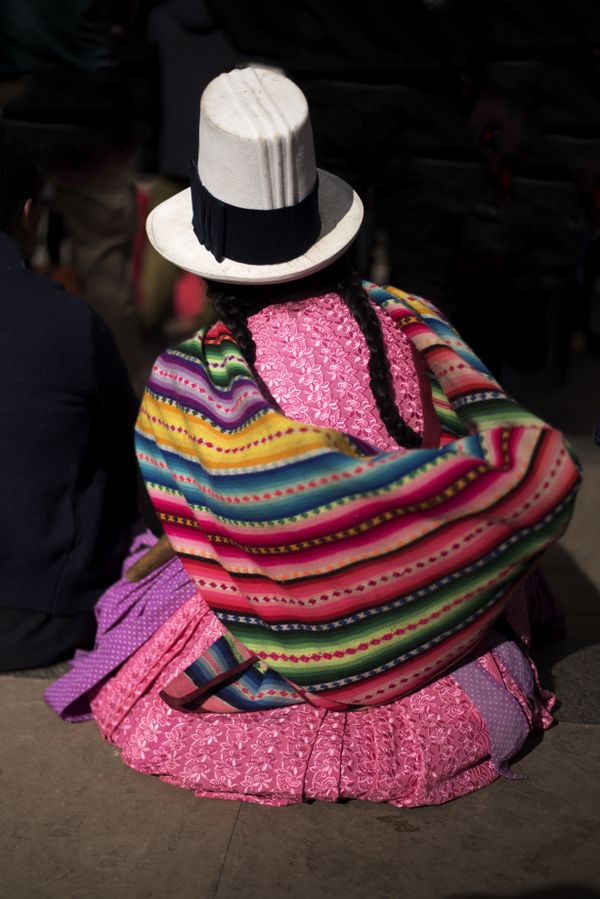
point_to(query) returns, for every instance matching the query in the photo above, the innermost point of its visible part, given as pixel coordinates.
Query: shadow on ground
(568, 663)
(562, 891)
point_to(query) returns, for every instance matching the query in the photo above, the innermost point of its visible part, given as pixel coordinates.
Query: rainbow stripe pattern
(345, 577)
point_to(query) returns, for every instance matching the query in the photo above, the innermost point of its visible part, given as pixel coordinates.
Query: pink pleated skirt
(424, 749)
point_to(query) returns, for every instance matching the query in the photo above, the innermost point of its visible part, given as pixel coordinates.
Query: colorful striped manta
(344, 577)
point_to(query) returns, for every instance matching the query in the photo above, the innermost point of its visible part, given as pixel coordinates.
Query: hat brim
(169, 229)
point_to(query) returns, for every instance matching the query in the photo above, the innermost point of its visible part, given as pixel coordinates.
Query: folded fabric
(355, 576)
(127, 615)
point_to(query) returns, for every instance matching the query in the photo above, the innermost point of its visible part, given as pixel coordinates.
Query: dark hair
(19, 179)
(235, 304)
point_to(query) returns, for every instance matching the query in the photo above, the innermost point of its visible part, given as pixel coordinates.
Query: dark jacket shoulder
(67, 465)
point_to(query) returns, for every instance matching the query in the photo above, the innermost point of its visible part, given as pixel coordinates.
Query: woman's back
(314, 359)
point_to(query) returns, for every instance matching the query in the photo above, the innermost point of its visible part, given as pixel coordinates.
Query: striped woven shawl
(342, 576)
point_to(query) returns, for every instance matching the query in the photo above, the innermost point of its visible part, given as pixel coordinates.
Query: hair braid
(351, 291)
(234, 315)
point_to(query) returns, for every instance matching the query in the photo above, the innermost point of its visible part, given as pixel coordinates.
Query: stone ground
(78, 824)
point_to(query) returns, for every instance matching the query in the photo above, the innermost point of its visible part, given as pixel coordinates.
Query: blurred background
(471, 128)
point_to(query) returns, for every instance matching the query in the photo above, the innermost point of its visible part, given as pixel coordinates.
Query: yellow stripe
(281, 449)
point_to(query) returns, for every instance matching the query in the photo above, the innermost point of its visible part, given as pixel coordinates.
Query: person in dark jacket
(67, 467)
(75, 87)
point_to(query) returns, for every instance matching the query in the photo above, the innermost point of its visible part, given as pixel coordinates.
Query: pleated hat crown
(256, 146)
(258, 210)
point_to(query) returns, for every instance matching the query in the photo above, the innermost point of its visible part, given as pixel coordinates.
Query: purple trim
(506, 721)
(128, 614)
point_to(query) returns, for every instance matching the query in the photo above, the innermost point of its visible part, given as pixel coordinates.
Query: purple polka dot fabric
(507, 724)
(128, 614)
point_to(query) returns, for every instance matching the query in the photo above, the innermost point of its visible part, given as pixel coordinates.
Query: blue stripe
(379, 477)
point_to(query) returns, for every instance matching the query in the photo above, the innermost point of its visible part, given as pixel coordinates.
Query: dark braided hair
(380, 377)
(235, 304)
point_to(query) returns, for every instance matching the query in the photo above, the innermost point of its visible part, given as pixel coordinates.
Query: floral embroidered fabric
(424, 749)
(314, 359)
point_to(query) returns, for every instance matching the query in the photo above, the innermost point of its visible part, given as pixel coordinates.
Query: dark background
(471, 128)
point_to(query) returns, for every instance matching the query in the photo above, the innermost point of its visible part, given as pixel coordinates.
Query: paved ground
(78, 824)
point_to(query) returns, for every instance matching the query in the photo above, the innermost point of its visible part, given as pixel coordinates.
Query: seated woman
(68, 483)
(357, 510)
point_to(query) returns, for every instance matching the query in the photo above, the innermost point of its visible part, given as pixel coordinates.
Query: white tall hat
(258, 210)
